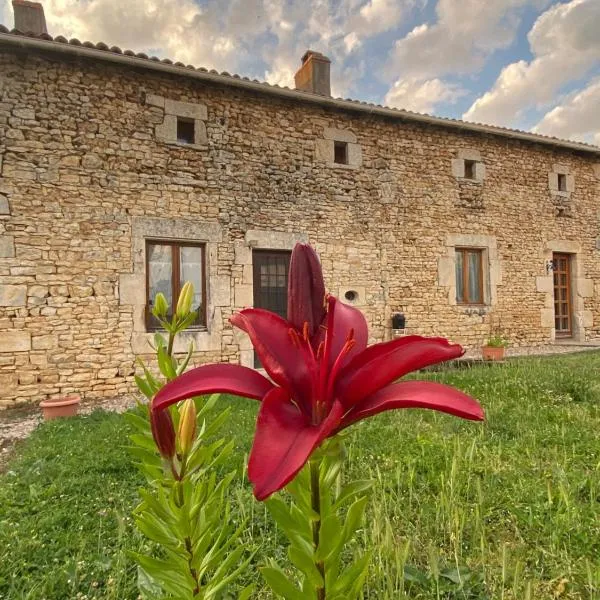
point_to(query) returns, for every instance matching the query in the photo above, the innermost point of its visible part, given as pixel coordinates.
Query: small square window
(562, 182)
(185, 130)
(340, 153)
(470, 169)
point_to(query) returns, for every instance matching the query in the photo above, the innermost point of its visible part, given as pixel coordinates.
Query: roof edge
(89, 51)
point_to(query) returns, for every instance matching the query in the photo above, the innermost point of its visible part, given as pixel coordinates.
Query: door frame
(557, 258)
(256, 275)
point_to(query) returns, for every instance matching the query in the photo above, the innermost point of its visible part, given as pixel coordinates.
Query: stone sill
(184, 145)
(200, 329)
(468, 180)
(557, 194)
(335, 165)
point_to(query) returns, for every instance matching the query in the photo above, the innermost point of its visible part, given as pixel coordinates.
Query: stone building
(122, 175)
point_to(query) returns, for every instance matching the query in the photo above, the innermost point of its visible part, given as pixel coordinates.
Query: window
(168, 266)
(185, 130)
(340, 153)
(470, 169)
(469, 276)
(562, 182)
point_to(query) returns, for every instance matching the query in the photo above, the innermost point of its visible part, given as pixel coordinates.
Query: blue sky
(528, 64)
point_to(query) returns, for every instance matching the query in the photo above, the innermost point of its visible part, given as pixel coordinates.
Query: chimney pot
(29, 17)
(314, 74)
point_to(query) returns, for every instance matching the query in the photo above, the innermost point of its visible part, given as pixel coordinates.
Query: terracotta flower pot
(64, 407)
(492, 352)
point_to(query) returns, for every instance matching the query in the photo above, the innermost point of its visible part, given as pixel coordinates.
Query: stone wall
(89, 168)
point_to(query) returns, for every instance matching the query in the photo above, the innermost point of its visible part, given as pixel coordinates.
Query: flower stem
(316, 526)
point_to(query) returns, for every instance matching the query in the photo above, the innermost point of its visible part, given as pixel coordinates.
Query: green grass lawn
(508, 509)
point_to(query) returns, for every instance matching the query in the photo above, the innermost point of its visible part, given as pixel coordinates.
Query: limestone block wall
(89, 169)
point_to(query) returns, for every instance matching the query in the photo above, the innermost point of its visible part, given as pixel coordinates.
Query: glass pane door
(562, 294)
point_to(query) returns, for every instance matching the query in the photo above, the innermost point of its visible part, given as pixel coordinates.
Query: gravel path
(18, 424)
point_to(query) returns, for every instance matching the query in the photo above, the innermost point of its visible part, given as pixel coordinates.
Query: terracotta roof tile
(348, 103)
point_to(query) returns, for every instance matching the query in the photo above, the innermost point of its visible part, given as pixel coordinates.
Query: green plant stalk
(187, 541)
(181, 500)
(315, 488)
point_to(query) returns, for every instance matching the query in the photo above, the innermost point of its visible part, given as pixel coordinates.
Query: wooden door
(562, 294)
(270, 277)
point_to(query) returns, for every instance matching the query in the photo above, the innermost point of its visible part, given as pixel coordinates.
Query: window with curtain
(168, 266)
(469, 276)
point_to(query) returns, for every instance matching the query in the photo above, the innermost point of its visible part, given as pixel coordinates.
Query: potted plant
(494, 348)
(60, 407)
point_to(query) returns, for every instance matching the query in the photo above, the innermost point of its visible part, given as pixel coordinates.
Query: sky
(526, 64)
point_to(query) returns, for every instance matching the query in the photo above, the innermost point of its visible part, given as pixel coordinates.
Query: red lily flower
(324, 377)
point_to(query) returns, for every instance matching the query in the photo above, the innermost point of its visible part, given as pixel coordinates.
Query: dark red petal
(306, 289)
(284, 360)
(210, 379)
(417, 394)
(284, 441)
(341, 320)
(382, 364)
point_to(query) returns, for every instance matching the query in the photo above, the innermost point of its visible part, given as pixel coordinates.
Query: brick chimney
(313, 75)
(29, 17)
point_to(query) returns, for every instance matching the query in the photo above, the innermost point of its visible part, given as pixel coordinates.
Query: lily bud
(187, 425)
(163, 432)
(306, 289)
(161, 306)
(186, 297)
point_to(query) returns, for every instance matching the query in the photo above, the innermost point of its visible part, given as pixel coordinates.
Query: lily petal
(210, 379)
(306, 289)
(341, 320)
(416, 394)
(284, 441)
(381, 364)
(286, 363)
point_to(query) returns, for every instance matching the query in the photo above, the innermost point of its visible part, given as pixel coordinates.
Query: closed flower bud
(186, 297)
(306, 289)
(187, 425)
(163, 432)
(161, 306)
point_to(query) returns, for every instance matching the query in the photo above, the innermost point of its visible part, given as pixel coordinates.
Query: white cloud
(565, 43)
(465, 34)
(578, 117)
(377, 16)
(422, 96)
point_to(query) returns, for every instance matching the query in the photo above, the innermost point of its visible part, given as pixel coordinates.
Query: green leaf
(246, 593)
(330, 540)
(354, 518)
(305, 562)
(165, 363)
(351, 490)
(414, 575)
(280, 584)
(152, 382)
(148, 588)
(170, 576)
(142, 440)
(183, 366)
(293, 528)
(351, 581)
(143, 386)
